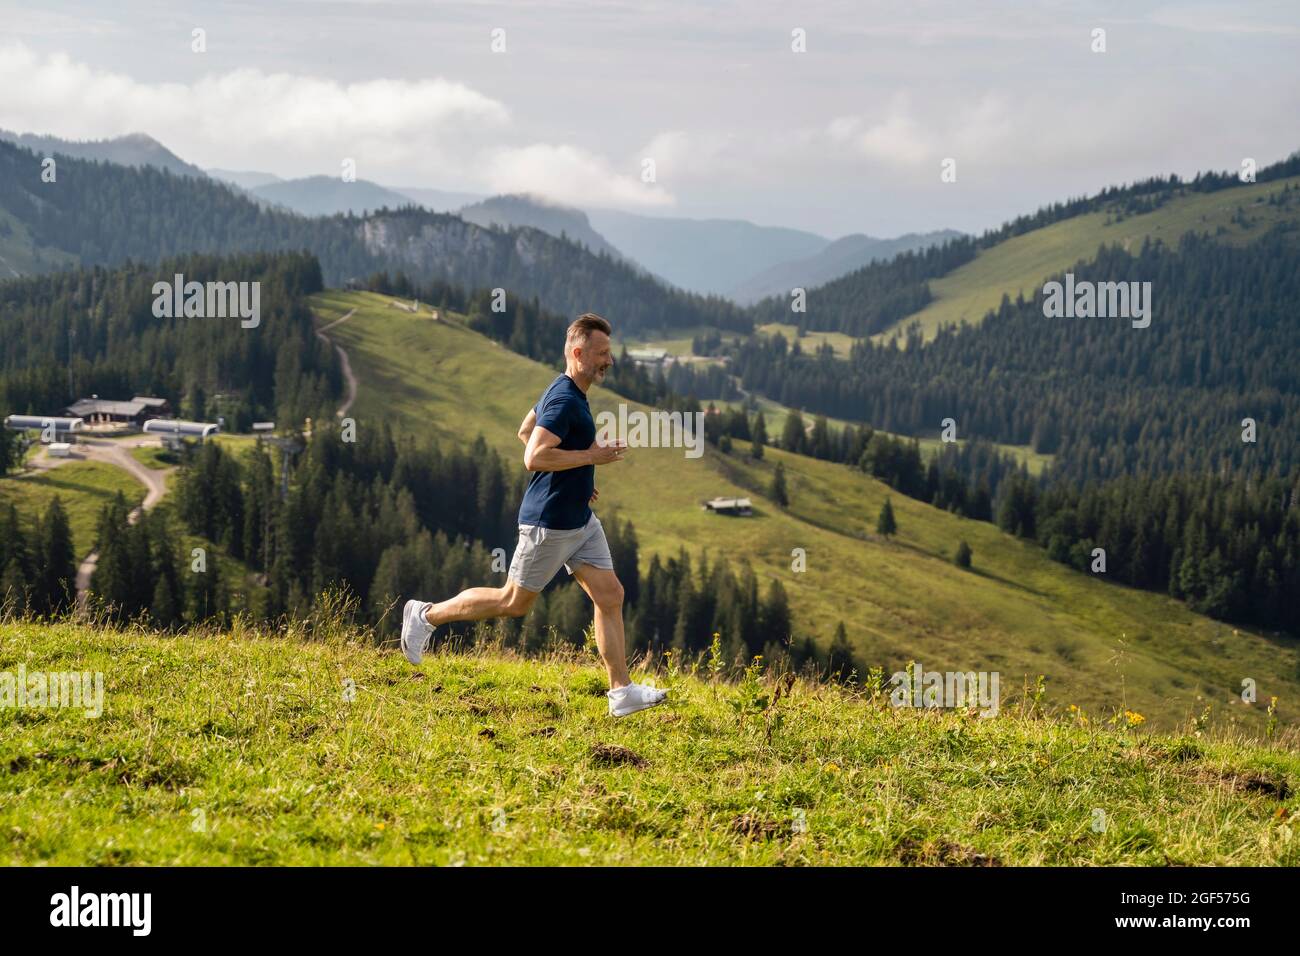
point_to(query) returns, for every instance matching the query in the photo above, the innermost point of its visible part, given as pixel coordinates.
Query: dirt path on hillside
(116, 454)
(348, 375)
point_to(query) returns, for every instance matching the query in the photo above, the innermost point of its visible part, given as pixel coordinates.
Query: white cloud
(569, 174)
(896, 139)
(979, 130)
(431, 130)
(246, 116)
(681, 155)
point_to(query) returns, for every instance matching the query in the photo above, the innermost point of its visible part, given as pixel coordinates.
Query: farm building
(102, 411)
(650, 357)
(157, 406)
(730, 506)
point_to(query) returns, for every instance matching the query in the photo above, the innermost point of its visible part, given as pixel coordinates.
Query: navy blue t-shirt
(562, 499)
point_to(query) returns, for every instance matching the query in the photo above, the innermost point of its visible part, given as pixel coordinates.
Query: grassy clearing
(841, 343)
(673, 341)
(155, 457)
(238, 748)
(19, 254)
(1021, 265)
(1100, 646)
(84, 486)
(775, 414)
(238, 445)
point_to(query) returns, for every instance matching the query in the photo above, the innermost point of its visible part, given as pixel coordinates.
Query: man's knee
(517, 601)
(610, 595)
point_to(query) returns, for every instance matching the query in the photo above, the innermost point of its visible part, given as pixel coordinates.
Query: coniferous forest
(105, 214)
(382, 519)
(94, 331)
(1145, 426)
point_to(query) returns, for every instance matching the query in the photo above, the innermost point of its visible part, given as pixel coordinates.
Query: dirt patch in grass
(756, 828)
(942, 853)
(612, 754)
(1248, 781)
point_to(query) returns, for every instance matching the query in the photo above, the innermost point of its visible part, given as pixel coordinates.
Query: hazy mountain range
(832, 261)
(557, 220)
(734, 258)
(133, 149)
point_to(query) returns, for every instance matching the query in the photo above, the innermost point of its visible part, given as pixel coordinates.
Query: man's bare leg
(478, 604)
(605, 591)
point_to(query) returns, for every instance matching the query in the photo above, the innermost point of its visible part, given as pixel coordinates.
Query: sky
(834, 117)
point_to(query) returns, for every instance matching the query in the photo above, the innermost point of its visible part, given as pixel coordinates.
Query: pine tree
(204, 591)
(13, 559)
(13, 588)
(819, 444)
(778, 492)
(58, 563)
(885, 524)
(963, 556)
(167, 604)
(840, 658)
(164, 609)
(9, 453)
(775, 620)
(792, 436)
(759, 432)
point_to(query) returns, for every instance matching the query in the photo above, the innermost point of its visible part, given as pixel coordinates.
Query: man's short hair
(582, 327)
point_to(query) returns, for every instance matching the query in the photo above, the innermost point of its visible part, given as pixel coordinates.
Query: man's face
(594, 356)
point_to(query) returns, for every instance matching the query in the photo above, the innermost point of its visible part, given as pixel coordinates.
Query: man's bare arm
(543, 454)
(526, 427)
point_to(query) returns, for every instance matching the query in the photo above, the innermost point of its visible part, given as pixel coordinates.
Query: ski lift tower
(288, 448)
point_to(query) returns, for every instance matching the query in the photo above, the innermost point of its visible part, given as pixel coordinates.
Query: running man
(556, 524)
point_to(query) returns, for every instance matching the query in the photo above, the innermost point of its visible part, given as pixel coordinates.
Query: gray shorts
(541, 551)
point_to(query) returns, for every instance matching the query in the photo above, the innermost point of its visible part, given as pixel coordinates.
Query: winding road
(118, 453)
(348, 375)
(113, 453)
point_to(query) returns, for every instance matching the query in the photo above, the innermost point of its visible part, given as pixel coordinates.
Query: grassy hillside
(841, 343)
(240, 749)
(1100, 646)
(84, 486)
(19, 254)
(1021, 265)
(775, 414)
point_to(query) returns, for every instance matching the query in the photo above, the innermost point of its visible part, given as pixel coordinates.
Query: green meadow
(1020, 265)
(84, 487)
(1098, 646)
(246, 748)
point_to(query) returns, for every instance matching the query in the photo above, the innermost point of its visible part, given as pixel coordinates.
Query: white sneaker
(416, 631)
(633, 697)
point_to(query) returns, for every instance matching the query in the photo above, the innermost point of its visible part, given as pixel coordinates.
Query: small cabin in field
(652, 358)
(740, 507)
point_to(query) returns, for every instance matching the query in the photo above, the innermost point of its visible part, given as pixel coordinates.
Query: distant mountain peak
(511, 210)
(839, 258)
(322, 195)
(131, 149)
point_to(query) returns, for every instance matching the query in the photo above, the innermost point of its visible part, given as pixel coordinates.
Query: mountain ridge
(132, 149)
